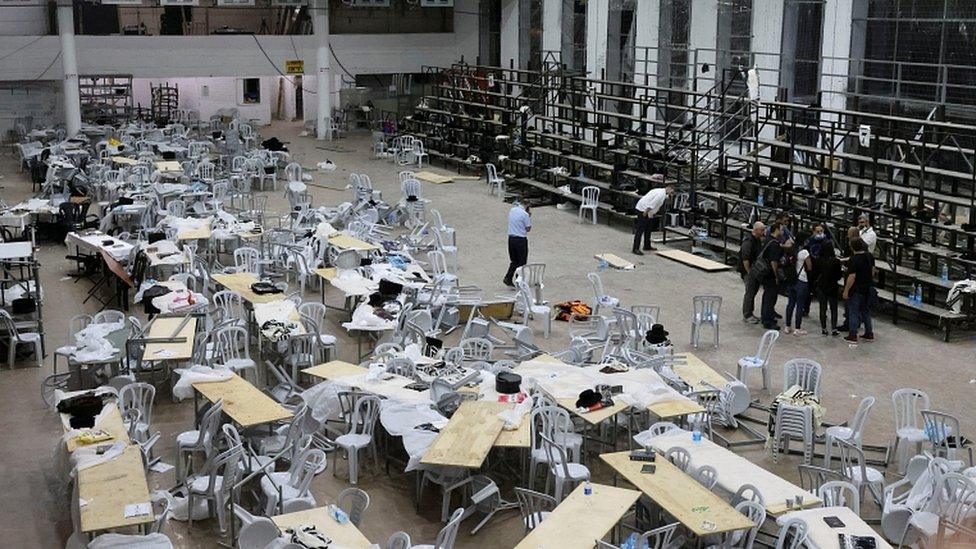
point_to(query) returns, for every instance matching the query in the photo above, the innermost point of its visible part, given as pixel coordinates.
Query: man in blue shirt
(519, 225)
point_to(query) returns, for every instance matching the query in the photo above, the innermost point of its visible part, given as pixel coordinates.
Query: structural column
(648, 21)
(552, 27)
(835, 52)
(320, 24)
(597, 18)
(510, 34)
(769, 26)
(703, 42)
(69, 65)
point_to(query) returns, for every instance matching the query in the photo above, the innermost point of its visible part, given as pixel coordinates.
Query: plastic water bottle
(588, 492)
(945, 272)
(338, 514)
(603, 265)
(918, 293)
(696, 434)
(912, 295)
(761, 199)
(581, 175)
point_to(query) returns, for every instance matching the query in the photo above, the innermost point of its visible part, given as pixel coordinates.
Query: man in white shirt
(867, 232)
(519, 225)
(647, 207)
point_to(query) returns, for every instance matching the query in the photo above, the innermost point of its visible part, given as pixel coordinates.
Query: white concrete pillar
(767, 38)
(510, 34)
(703, 42)
(323, 92)
(835, 51)
(597, 19)
(69, 65)
(552, 26)
(648, 21)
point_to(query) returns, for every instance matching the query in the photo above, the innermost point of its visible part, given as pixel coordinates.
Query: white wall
(221, 92)
(42, 101)
(23, 20)
(509, 55)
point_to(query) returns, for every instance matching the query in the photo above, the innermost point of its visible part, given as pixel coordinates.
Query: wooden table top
(111, 423)
(109, 487)
(243, 402)
(697, 374)
(664, 410)
(334, 369)
(169, 166)
(345, 535)
(347, 242)
(468, 437)
(580, 520)
(679, 495)
(693, 260)
(124, 160)
(203, 232)
(821, 536)
(164, 327)
(240, 283)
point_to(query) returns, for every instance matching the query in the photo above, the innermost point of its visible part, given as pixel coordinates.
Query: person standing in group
(519, 225)
(748, 253)
(766, 271)
(798, 272)
(829, 273)
(859, 292)
(647, 207)
(866, 232)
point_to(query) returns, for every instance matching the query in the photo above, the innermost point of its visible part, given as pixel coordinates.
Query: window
(250, 91)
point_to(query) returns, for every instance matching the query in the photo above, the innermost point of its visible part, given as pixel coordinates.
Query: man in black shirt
(771, 254)
(748, 252)
(859, 291)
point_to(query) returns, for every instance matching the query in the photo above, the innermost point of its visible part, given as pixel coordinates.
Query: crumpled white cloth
(179, 508)
(565, 381)
(170, 188)
(151, 541)
(351, 283)
(86, 457)
(197, 374)
(328, 166)
(177, 301)
(402, 419)
(323, 400)
(325, 230)
(513, 417)
(91, 345)
(364, 318)
(184, 223)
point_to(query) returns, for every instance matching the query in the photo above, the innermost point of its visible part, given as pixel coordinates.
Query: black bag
(761, 268)
(82, 409)
(264, 288)
(23, 306)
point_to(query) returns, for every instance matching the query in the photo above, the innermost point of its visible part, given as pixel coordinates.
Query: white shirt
(870, 238)
(652, 201)
(801, 258)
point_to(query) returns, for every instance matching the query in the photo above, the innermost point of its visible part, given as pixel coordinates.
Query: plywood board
(342, 535)
(346, 242)
(615, 261)
(169, 166)
(108, 487)
(125, 161)
(468, 437)
(240, 283)
(580, 519)
(679, 495)
(434, 178)
(693, 260)
(111, 423)
(698, 375)
(202, 232)
(244, 403)
(165, 327)
(334, 369)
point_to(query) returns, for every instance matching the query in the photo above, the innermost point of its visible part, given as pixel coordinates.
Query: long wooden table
(111, 423)
(345, 535)
(108, 487)
(244, 403)
(240, 283)
(734, 470)
(699, 509)
(580, 520)
(346, 242)
(164, 328)
(468, 437)
(203, 232)
(697, 374)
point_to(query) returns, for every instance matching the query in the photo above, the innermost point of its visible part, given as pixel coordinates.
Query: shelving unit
(19, 268)
(165, 102)
(739, 161)
(106, 99)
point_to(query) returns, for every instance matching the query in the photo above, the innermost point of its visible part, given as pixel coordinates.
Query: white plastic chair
(591, 200)
(854, 468)
(534, 506)
(494, 181)
(706, 311)
(943, 431)
(531, 309)
(839, 493)
(139, 397)
(448, 534)
(679, 457)
(189, 443)
(215, 482)
(328, 343)
(232, 350)
(760, 360)
(15, 337)
(600, 297)
(419, 153)
(793, 534)
(803, 372)
(399, 540)
(677, 211)
(851, 433)
(561, 470)
(908, 405)
(360, 434)
(256, 532)
(293, 483)
(793, 422)
(108, 316)
(354, 502)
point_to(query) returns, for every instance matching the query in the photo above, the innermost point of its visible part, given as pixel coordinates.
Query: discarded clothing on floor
(569, 309)
(274, 144)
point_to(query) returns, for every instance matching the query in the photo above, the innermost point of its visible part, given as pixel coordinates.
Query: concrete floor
(35, 503)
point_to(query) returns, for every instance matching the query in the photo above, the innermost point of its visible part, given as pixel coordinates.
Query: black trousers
(642, 229)
(770, 294)
(518, 254)
(749, 299)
